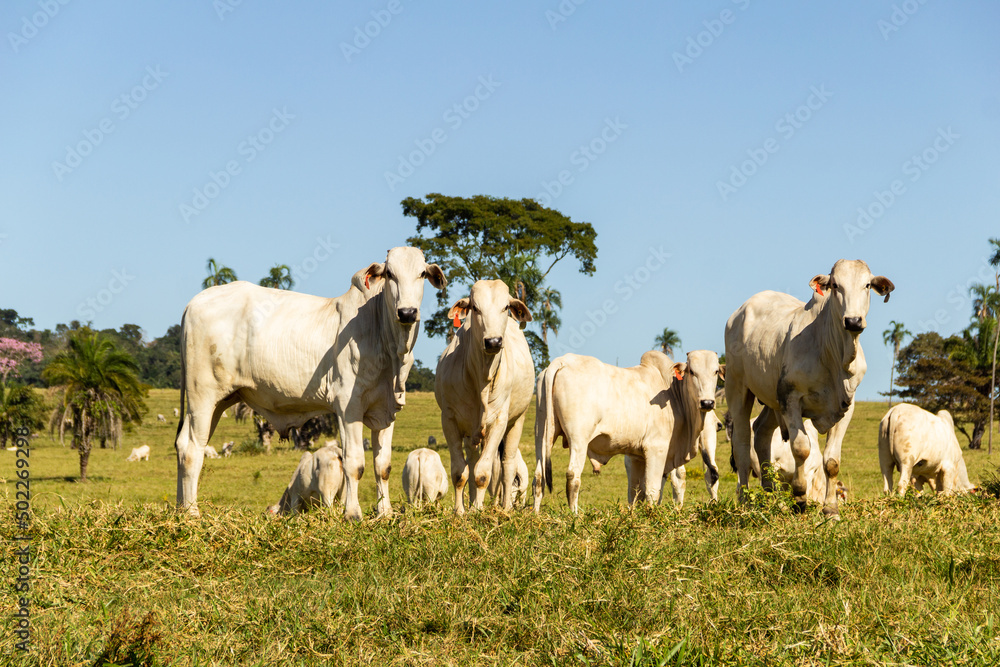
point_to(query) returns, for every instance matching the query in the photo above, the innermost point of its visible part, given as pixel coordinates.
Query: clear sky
(718, 148)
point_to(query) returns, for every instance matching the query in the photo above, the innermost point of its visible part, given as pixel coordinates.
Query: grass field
(118, 576)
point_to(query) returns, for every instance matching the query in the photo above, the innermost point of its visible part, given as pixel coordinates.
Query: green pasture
(120, 578)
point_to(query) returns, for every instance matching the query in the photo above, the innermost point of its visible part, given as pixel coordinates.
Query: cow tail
(180, 421)
(543, 444)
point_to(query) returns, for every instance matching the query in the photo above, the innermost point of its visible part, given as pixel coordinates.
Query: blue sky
(718, 148)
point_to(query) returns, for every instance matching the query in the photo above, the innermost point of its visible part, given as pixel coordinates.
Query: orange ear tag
(819, 290)
(457, 322)
(677, 374)
(366, 281)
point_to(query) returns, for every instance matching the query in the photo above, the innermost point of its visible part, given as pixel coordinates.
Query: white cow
(139, 453)
(293, 356)
(765, 425)
(483, 385)
(317, 481)
(424, 477)
(227, 448)
(654, 411)
(210, 452)
(706, 445)
(924, 448)
(802, 360)
(161, 418)
(177, 412)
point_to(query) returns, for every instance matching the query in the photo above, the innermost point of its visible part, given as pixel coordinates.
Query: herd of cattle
(293, 356)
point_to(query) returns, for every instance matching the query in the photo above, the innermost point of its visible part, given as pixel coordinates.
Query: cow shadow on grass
(70, 478)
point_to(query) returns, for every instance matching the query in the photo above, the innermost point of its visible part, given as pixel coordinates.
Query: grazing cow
(227, 448)
(655, 412)
(292, 357)
(177, 412)
(424, 477)
(431, 441)
(765, 426)
(210, 452)
(924, 448)
(139, 453)
(483, 385)
(316, 482)
(161, 418)
(706, 445)
(519, 491)
(802, 360)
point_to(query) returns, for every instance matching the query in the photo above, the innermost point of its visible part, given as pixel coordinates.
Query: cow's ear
(820, 283)
(373, 273)
(459, 310)
(435, 275)
(722, 372)
(519, 311)
(679, 369)
(883, 286)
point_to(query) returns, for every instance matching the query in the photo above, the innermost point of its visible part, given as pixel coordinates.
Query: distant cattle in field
(177, 412)
(210, 452)
(483, 386)
(655, 412)
(161, 418)
(924, 448)
(431, 441)
(803, 361)
(318, 480)
(424, 477)
(139, 453)
(291, 357)
(227, 448)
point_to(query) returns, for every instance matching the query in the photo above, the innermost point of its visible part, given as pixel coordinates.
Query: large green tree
(894, 336)
(100, 392)
(518, 241)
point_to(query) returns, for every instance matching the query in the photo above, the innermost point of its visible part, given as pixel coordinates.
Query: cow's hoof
(800, 507)
(352, 513)
(831, 512)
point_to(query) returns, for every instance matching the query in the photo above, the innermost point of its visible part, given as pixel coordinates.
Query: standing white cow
(139, 453)
(483, 386)
(802, 360)
(424, 477)
(765, 426)
(654, 411)
(317, 481)
(293, 356)
(923, 447)
(161, 418)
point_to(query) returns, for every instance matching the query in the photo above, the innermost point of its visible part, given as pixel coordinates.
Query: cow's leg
(574, 473)
(656, 461)
(510, 452)
(905, 474)
(352, 430)
(887, 465)
(199, 422)
(798, 439)
(740, 405)
(709, 444)
(831, 461)
(635, 469)
(459, 468)
(678, 484)
(382, 460)
(767, 422)
(483, 468)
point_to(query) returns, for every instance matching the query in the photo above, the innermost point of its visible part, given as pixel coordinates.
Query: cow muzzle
(406, 315)
(854, 324)
(707, 405)
(492, 345)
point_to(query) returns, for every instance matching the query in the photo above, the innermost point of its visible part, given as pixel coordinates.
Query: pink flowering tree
(20, 406)
(15, 352)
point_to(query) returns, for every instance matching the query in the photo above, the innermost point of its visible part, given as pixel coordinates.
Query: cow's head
(488, 307)
(701, 374)
(404, 272)
(849, 286)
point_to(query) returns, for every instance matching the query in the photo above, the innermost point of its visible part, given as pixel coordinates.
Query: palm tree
(894, 335)
(548, 319)
(101, 391)
(667, 341)
(218, 275)
(279, 277)
(995, 263)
